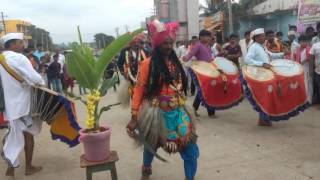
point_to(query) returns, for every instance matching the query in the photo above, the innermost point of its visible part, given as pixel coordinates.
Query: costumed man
(202, 51)
(17, 74)
(159, 116)
(128, 64)
(258, 56)
(130, 58)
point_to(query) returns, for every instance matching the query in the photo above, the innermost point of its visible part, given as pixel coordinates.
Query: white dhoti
(14, 139)
(308, 81)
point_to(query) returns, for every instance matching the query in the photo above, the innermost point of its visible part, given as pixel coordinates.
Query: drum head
(286, 67)
(204, 68)
(258, 73)
(226, 65)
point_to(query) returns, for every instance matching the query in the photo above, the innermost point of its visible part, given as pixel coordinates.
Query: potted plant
(89, 71)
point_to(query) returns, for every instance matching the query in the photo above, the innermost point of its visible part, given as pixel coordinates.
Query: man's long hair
(159, 72)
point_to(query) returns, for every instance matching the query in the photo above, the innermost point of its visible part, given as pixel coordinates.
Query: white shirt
(294, 47)
(17, 97)
(182, 51)
(257, 55)
(315, 51)
(315, 40)
(244, 46)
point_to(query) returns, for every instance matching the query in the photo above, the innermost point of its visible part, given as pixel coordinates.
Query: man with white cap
(258, 56)
(292, 42)
(17, 74)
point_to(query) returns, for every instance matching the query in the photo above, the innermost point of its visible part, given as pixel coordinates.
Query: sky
(61, 17)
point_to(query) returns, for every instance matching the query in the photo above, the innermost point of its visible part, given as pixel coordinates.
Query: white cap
(257, 32)
(291, 33)
(11, 36)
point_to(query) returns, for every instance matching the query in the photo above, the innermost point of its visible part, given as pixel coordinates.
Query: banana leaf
(107, 84)
(80, 67)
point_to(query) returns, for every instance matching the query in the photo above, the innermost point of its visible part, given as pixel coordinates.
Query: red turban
(159, 32)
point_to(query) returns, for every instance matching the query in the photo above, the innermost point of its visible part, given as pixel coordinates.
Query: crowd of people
(52, 67)
(158, 81)
(303, 48)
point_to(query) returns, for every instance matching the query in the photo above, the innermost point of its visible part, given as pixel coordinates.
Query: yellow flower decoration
(93, 98)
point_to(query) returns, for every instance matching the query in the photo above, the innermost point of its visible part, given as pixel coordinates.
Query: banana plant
(89, 71)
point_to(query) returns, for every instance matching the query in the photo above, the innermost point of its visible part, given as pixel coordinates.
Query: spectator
(39, 53)
(286, 50)
(271, 44)
(292, 43)
(317, 38)
(32, 58)
(315, 56)
(302, 56)
(310, 32)
(244, 44)
(233, 50)
(54, 74)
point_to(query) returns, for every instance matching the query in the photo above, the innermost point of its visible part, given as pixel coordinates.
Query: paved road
(232, 148)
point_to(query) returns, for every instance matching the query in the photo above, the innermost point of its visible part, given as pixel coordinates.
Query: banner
(308, 14)
(309, 11)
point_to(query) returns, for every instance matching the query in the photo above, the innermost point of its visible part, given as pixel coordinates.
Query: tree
(102, 40)
(212, 6)
(40, 36)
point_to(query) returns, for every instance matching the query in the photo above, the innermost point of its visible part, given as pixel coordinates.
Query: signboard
(309, 11)
(213, 21)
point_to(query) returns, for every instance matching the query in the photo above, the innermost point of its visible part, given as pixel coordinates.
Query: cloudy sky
(60, 17)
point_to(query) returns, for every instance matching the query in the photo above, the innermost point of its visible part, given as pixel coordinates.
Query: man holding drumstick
(258, 56)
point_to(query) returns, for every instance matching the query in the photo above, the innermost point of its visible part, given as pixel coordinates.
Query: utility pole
(4, 23)
(230, 17)
(126, 28)
(42, 45)
(47, 41)
(117, 32)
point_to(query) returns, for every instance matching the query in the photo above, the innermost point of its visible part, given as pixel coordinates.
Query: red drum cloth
(218, 90)
(277, 95)
(2, 122)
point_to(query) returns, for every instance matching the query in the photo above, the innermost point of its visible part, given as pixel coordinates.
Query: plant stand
(107, 165)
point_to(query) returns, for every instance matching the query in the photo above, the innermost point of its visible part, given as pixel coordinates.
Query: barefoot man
(258, 56)
(17, 99)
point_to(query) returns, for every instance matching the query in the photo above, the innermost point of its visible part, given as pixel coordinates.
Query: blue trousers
(56, 84)
(317, 79)
(189, 154)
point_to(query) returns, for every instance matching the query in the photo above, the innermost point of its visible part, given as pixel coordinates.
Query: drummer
(22, 127)
(258, 56)
(202, 51)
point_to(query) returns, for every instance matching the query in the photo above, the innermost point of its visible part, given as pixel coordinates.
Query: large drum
(58, 112)
(218, 83)
(279, 93)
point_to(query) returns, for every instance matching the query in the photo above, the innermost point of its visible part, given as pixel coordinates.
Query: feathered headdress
(160, 31)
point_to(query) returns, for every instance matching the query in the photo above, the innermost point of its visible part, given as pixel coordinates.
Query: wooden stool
(107, 165)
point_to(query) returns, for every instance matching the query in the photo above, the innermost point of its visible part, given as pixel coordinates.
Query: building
(186, 12)
(14, 26)
(273, 15)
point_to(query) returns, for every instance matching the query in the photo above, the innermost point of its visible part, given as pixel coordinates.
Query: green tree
(102, 40)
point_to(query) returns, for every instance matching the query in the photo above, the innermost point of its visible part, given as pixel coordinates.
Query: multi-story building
(186, 12)
(14, 26)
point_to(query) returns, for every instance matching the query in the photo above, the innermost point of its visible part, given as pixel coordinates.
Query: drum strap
(13, 74)
(10, 70)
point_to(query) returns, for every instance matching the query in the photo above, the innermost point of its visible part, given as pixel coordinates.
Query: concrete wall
(274, 5)
(277, 22)
(193, 18)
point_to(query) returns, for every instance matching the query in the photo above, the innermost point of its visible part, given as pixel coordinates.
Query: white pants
(308, 81)
(14, 139)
